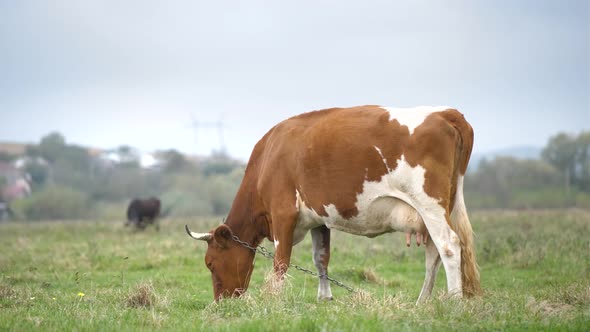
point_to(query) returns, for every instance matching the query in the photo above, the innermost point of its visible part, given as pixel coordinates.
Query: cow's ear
(222, 235)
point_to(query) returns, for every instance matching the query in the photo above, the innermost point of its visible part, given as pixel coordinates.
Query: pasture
(98, 275)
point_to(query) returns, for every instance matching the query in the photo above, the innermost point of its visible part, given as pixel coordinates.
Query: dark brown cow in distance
(142, 212)
(365, 170)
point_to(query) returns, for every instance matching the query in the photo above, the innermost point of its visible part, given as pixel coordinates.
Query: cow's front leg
(320, 238)
(283, 227)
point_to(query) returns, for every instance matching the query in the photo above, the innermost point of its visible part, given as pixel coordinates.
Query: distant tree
(561, 153)
(221, 190)
(504, 179)
(51, 146)
(219, 164)
(174, 161)
(570, 155)
(32, 150)
(78, 157)
(128, 156)
(39, 171)
(6, 156)
(120, 184)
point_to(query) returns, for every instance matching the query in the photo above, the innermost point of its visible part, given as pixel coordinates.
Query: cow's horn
(198, 236)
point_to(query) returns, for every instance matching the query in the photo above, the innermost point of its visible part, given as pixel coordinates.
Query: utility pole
(219, 125)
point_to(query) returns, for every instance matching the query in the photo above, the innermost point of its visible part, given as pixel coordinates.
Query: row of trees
(70, 182)
(571, 156)
(561, 178)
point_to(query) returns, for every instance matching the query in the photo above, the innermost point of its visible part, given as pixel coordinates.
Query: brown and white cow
(364, 170)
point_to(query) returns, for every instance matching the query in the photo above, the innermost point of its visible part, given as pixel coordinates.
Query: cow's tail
(459, 218)
(462, 226)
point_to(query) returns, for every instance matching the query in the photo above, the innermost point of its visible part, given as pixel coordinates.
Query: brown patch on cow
(447, 251)
(322, 158)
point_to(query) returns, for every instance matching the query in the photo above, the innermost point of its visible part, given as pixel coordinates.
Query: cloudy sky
(141, 73)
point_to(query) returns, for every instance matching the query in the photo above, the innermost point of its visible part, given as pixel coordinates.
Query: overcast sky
(108, 73)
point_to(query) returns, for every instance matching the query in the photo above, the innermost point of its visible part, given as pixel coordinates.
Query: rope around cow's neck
(262, 250)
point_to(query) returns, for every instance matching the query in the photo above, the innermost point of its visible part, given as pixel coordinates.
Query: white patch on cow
(306, 220)
(412, 117)
(394, 203)
(276, 243)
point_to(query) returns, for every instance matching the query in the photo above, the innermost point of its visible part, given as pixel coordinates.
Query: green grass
(96, 275)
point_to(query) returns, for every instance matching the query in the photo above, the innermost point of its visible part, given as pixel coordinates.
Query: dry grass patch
(274, 286)
(143, 296)
(546, 308)
(370, 276)
(381, 304)
(576, 295)
(6, 292)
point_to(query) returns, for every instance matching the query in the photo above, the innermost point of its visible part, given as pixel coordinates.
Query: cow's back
(140, 208)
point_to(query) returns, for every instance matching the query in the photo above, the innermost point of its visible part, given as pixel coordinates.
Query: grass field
(98, 275)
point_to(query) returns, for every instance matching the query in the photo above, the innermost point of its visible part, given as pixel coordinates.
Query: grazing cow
(142, 212)
(364, 170)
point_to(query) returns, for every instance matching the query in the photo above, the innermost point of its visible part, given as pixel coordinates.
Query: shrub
(186, 204)
(53, 202)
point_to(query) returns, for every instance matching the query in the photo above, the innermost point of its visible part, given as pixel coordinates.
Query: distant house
(13, 149)
(149, 161)
(145, 160)
(22, 161)
(13, 183)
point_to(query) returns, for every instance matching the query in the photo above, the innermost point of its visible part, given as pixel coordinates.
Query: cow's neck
(246, 218)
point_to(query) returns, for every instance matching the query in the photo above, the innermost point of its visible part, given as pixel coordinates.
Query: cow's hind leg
(320, 238)
(432, 264)
(448, 245)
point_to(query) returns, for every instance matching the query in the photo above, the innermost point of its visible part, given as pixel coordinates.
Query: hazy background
(107, 73)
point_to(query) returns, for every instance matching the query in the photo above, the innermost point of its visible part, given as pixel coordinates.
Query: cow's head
(230, 263)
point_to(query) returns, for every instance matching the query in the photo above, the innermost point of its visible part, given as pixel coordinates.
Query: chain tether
(262, 250)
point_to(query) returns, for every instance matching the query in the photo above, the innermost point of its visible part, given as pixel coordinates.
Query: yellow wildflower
(81, 294)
